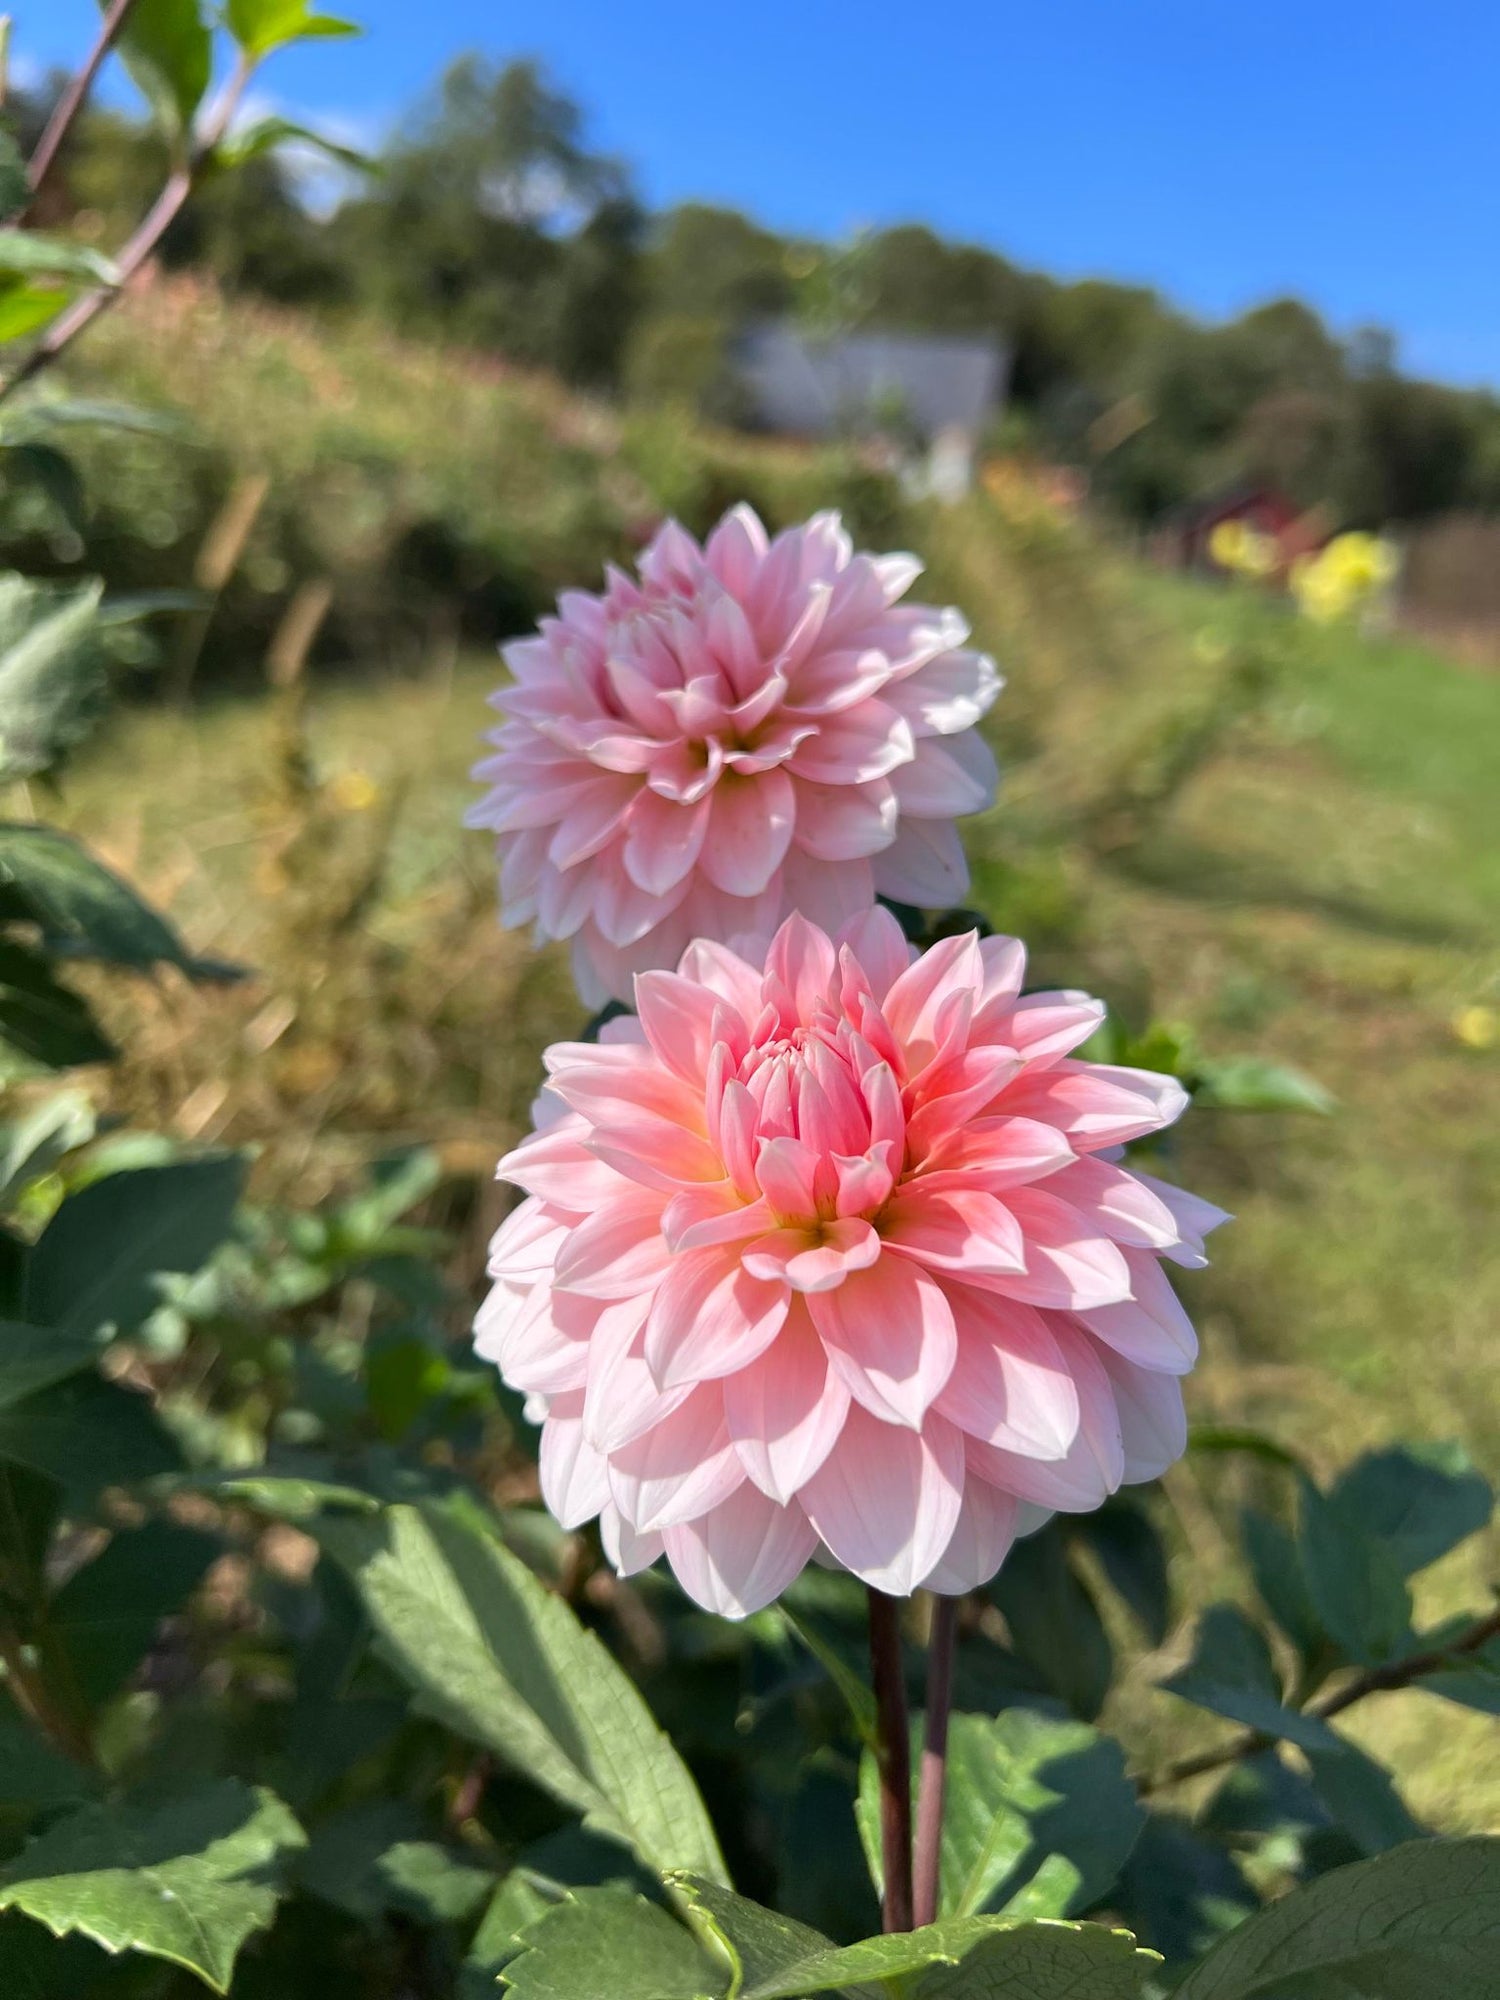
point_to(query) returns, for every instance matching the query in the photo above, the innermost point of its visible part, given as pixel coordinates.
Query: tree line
(492, 219)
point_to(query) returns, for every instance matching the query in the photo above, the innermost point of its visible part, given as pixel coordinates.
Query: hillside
(1280, 837)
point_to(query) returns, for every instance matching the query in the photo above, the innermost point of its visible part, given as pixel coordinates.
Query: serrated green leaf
(1039, 1816)
(34, 1357)
(1354, 1580)
(1420, 1499)
(96, 1262)
(187, 1880)
(1046, 1962)
(515, 1905)
(1419, 1923)
(167, 46)
(494, 1655)
(1232, 1673)
(29, 253)
(80, 904)
(43, 1022)
(602, 1945)
(52, 677)
(259, 26)
(107, 1613)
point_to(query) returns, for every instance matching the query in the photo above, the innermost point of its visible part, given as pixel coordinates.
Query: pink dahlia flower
(831, 1252)
(748, 728)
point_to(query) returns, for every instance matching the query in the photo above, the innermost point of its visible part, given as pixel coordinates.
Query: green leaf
(259, 26)
(87, 1434)
(1134, 1558)
(15, 188)
(41, 1021)
(34, 1357)
(374, 1859)
(516, 1904)
(1362, 1797)
(1054, 1623)
(773, 1958)
(96, 1262)
(1039, 1816)
(52, 677)
(54, 474)
(34, 1775)
(1419, 1923)
(1240, 1437)
(602, 1945)
(167, 46)
(1046, 1962)
(268, 135)
(1277, 1569)
(1355, 1582)
(857, 1696)
(186, 1880)
(1420, 1499)
(1247, 1083)
(498, 1658)
(1180, 1893)
(36, 1142)
(107, 1614)
(28, 253)
(25, 309)
(1232, 1673)
(80, 904)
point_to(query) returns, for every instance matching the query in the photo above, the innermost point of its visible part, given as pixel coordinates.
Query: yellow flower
(354, 791)
(1477, 1027)
(1344, 576)
(1241, 549)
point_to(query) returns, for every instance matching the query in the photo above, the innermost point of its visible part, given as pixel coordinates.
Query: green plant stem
(928, 1860)
(168, 205)
(1394, 1674)
(74, 98)
(893, 1757)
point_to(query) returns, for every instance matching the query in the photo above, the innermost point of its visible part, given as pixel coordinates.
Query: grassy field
(1286, 839)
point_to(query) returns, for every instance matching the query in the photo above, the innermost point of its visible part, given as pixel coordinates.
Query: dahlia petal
(627, 1552)
(541, 1356)
(786, 1170)
(890, 1335)
(993, 1154)
(949, 971)
(617, 1250)
(955, 1092)
(741, 1556)
(1010, 1384)
(736, 549)
(1195, 1219)
(880, 948)
(663, 840)
(679, 1469)
(801, 960)
(1069, 1266)
(622, 1399)
(1094, 1464)
(814, 1260)
(681, 1020)
(865, 1181)
(960, 1230)
(856, 745)
(923, 865)
(1044, 1027)
(749, 831)
(936, 784)
(1119, 1204)
(1150, 1326)
(724, 972)
(981, 1541)
(887, 1500)
(574, 1477)
(557, 1166)
(785, 1410)
(700, 1217)
(1153, 1422)
(526, 1244)
(1098, 1104)
(827, 896)
(656, 1153)
(710, 1316)
(948, 694)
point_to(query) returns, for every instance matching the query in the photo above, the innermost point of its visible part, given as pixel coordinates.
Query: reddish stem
(927, 1883)
(893, 1756)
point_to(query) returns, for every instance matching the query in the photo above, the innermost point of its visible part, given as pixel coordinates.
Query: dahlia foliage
(748, 728)
(829, 1253)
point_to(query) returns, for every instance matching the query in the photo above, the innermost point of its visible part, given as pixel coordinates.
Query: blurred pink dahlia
(747, 728)
(828, 1252)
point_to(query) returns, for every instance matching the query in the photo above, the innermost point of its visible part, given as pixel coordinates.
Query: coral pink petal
(1150, 1327)
(886, 1500)
(814, 1260)
(709, 1317)
(1011, 1384)
(628, 1553)
(1068, 1265)
(785, 1410)
(750, 831)
(680, 1468)
(741, 1556)
(890, 1335)
(981, 1541)
(961, 1230)
(1094, 1464)
(617, 1251)
(574, 1476)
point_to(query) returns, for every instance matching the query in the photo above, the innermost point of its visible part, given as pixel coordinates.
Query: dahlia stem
(893, 1756)
(929, 1852)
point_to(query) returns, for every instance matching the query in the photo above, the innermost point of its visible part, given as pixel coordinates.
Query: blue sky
(1230, 153)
